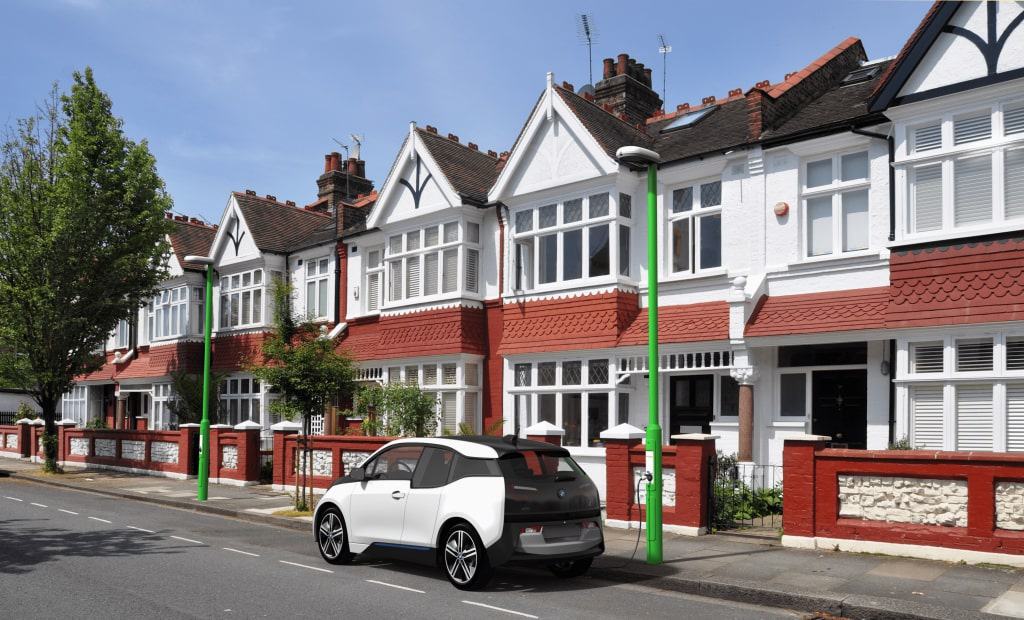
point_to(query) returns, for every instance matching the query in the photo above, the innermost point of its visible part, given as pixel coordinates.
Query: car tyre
(570, 568)
(332, 537)
(464, 558)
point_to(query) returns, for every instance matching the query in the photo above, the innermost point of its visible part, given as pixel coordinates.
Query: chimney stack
(626, 90)
(342, 181)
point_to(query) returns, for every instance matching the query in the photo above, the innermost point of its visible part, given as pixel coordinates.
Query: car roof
(482, 446)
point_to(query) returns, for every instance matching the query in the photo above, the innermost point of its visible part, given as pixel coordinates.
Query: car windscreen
(538, 466)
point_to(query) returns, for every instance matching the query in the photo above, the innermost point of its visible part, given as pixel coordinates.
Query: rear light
(589, 525)
(533, 529)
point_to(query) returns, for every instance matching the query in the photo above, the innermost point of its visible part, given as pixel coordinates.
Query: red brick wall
(181, 437)
(493, 396)
(287, 445)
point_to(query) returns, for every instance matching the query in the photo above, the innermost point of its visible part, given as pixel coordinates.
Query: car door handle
(397, 495)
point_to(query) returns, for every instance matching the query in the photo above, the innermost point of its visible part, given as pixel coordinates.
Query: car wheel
(464, 559)
(332, 537)
(570, 568)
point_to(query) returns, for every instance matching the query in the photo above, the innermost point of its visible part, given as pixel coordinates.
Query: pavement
(742, 568)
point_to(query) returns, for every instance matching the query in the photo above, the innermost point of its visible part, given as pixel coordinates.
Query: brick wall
(333, 456)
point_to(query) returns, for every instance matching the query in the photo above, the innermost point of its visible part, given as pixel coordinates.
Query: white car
(466, 504)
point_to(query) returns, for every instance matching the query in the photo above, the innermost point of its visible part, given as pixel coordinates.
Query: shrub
(96, 423)
(735, 500)
(25, 413)
(902, 443)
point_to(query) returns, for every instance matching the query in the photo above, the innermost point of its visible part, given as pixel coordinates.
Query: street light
(637, 158)
(204, 426)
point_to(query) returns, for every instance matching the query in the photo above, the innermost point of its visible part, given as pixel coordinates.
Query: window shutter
(1013, 173)
(469, 413)
(451, 271)
(819, 226)
(926, 417)
(430, 274)
(926, 357)
(412, 276)
(448, 374)
(974, 417)
(373, 292)
(928, 138)
(1015, 353)
(972, 128)
(395, 277)
(430, 374)
(472, 260)
(449, 412)
(927, 198)
(973, 355)
(1013, 119)
(972, 181)
(1015, 417)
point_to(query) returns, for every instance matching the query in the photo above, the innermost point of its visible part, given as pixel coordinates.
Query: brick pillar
(185, 457)
(618, 474)
(694, 452)
(215, 431)
(745, 377)
(798, 474)
(249, 450)
(545, 432)
(62, 441)
(38, 429)
(25, 438)
(282, 430)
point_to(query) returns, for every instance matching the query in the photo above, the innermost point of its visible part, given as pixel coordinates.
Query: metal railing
(266, 457)
(7, 417)
(744, 495)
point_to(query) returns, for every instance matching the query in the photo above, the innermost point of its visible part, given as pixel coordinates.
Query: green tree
(82, 241)
(397, 409)
(306, 371)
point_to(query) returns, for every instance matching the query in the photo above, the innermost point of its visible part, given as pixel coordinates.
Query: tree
(306, 371)
(187, 404)
(82, 241)
(397, 409)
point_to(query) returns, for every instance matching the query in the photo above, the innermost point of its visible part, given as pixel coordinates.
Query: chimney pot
(361, 168)
(567, 86)
(290, 203)
(493, 154)
(272, 197)
(647, 76)
(763, 84)
(351, 166)
(453, 137)
(250, 192)
(180, 218)
(327, 163)
(609, 68)
(473, 146)
(735, 92)
(682, 106)
(789, 75)
(431, 129)
(708, 100)
(620, 67)
(504, 155)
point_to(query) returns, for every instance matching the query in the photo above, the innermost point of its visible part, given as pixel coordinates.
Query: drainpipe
(498, 208)
(891, 142)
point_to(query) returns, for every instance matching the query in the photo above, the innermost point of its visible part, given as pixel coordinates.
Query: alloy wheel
(332, 535)
(460, 556)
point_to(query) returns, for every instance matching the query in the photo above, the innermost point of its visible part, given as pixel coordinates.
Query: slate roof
(688, 323)
(610, 131)
(811, 313)
(278, 227)
(471, 172)
(723, 128)
(191, 239)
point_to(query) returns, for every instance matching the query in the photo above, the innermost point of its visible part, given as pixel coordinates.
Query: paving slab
(901, 569)
(1010, 604)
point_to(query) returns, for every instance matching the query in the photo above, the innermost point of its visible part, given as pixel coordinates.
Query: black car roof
(508, 444)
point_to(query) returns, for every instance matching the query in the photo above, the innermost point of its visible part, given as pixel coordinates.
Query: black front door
(690, 404)
(839, 407)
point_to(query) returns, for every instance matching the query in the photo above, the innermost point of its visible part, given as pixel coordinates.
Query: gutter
(891, 142)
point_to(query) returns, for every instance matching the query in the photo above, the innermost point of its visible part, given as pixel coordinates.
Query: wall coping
(66, 423)
(623, 431)
(544, 429)
(806, 438)
(921, 455)
(286, 425)
(248, 425)
(24, 421)
(220, 426)
(188, 425)
(38, 422)
(695, 437)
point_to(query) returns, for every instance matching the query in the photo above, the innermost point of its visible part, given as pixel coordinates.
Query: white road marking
(40, 505)
(99, 519)
(13, 498)
(198, 542)
(508, 611)
(322, 570)
(141, 529)
(67, 511)
(255, 555)
(391, 585)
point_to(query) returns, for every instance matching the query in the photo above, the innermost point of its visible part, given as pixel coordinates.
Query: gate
(193, 449)
(743, 495)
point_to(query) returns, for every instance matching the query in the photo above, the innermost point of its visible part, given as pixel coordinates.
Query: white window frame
(614, 220)
(122, 334)
(695, 214)
(467, 380)
(75, 404)
(163, 306)
(370, 305)
(231, 395)
(995, 147)
(321, 278)
(233, 286)
(160, 414)
(398, 262)
(835, 190)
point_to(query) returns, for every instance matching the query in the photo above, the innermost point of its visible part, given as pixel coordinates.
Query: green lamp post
(637, 158)
(204, 426)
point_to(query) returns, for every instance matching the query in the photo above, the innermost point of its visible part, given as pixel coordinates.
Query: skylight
(862, 74)
(688, 119)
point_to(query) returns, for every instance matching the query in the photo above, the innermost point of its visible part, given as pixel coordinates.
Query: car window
(395, 464)
(533, 465)
(433, 468)
(466, 467)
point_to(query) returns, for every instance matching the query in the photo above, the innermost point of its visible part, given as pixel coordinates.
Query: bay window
(835, 204)
(695, 228)
(965, 170)
(318, 287)
(75, 404)
(571, 240)
(425, 263)
(168, 313)
(240, 400)
(241, 299)
(455, 386)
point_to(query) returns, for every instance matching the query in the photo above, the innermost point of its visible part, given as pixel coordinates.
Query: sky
(234, 94)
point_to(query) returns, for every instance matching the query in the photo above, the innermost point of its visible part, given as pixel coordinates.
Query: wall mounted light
(781, 208)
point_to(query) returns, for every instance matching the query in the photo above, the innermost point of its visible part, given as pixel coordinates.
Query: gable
(414, 189)
(234, 242)
(554, 156)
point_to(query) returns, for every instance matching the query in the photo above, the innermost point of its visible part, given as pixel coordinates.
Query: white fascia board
(222, 230)
(391, 184)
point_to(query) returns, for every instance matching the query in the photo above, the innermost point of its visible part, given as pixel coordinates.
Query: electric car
(466, 504)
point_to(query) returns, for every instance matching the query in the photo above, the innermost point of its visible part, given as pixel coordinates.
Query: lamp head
(636, 156)
(201, 260)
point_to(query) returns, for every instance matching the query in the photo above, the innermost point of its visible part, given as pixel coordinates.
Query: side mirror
(358, 474)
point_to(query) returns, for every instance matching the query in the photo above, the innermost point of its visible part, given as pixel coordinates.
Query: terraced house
(840, 253)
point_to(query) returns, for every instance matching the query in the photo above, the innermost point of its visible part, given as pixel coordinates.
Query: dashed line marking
(391, 585)
(198, 542)
(508, 611)
(70, 512)
(15, 499)
(38, 504)
(322, 570)
(100, 520)
(255, 555)
(140, 529)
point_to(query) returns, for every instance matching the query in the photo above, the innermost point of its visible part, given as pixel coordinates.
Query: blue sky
(234, 94)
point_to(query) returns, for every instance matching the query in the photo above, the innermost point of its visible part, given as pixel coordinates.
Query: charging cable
(646, 477)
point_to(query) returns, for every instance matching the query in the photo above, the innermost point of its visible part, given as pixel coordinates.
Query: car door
(428, 484)
(378, 506)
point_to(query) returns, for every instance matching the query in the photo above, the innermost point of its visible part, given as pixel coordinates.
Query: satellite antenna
(358, 140)
(588, 34)
(664, 49)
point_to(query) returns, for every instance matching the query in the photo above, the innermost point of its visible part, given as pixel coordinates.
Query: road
(66, 553)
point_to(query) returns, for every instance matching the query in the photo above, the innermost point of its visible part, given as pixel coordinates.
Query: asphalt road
(67, 553)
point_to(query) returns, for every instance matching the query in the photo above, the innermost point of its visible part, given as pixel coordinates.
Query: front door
(378, 505)
(839, 407)
(691, 400)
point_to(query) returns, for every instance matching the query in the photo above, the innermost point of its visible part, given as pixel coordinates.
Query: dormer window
(425, 263)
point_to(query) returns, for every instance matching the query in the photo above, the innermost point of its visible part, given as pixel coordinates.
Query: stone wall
(11, 442)
(229, 457)
(1010, 505)
(163, 452)
(668, 489)
(924, 501)
(132, 450)
(350, 459)
(80, 446)
(106, 447)
(322, 465)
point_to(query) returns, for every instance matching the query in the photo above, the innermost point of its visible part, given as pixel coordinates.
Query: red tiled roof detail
(431, 332)
(794, 79)
(586, 322)
(689, 323)
(811, 313)
(979, 282)
(911, 42)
